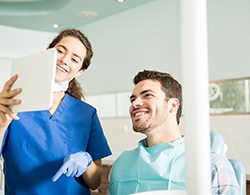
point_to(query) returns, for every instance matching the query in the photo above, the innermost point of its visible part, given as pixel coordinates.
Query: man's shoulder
(221, 166)
(223, 176)
(217, 158)
(127, 154)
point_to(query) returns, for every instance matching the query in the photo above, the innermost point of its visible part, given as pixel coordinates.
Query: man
(159, 161)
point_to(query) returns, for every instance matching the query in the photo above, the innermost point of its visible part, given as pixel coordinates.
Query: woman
(56, 151)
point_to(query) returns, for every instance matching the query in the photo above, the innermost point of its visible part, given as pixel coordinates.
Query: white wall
(120, 135)
(229, 43)
(19, 42)
(146, 37)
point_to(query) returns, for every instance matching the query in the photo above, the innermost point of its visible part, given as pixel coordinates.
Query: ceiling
(41, 15)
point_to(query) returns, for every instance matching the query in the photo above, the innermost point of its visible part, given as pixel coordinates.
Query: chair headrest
(217, 143)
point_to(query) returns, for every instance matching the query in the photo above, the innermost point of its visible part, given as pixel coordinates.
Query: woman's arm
(93, 175)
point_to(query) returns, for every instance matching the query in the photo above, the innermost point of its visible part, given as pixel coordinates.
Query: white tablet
(36, 77)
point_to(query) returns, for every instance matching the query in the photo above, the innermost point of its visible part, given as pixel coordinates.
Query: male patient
(158, 163)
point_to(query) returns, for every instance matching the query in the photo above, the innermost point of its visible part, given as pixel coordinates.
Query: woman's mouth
(61, 69)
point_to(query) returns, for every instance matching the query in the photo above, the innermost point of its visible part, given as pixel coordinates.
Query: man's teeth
(139, 113)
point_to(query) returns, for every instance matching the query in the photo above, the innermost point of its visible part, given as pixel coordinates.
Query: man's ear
(173, 104)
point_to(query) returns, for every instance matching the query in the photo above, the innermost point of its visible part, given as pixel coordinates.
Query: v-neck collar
(64, 103)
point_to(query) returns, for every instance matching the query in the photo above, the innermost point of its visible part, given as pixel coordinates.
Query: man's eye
(131, 100)
(148, 95)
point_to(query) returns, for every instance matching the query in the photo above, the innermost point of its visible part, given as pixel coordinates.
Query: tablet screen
(36, 77)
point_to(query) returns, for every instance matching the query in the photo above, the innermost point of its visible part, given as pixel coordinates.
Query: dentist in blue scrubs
(56, 151)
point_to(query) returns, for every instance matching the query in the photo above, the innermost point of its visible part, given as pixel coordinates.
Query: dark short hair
(171, 87)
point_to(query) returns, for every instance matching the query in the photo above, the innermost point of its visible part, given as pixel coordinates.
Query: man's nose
(137, 103)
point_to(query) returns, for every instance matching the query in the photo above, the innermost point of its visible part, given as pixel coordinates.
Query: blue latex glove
(74, 165)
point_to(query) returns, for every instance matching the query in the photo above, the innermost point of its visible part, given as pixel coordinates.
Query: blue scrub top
(36, 144)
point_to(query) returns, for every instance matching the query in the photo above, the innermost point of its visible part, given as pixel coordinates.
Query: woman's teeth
(61, 69)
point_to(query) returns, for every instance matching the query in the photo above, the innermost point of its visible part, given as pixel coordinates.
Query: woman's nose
(64, 59)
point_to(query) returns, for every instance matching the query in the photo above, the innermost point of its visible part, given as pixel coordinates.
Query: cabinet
(248, 187)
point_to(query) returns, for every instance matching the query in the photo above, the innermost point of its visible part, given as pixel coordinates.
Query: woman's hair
(75, 88)
(171, 87)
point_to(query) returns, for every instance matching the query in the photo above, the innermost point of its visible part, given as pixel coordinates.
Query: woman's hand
(6, 100)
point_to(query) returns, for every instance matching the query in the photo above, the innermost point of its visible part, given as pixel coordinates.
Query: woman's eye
(75, 60)
(59, 51)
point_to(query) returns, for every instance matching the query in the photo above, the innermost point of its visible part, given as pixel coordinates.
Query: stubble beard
(144, 126)
(141, 126)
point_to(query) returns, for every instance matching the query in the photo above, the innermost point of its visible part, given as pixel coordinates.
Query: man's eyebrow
(143, 92)
(146, 91)
(67, 50)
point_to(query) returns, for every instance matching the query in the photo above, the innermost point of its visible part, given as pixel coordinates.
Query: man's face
(148, 108)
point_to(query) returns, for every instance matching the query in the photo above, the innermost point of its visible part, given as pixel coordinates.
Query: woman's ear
(80, 72)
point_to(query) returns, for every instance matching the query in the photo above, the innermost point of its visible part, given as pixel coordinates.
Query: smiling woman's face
(70, 56)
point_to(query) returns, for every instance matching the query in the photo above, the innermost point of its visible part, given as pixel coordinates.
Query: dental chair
(218, 145)
(240, 174)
